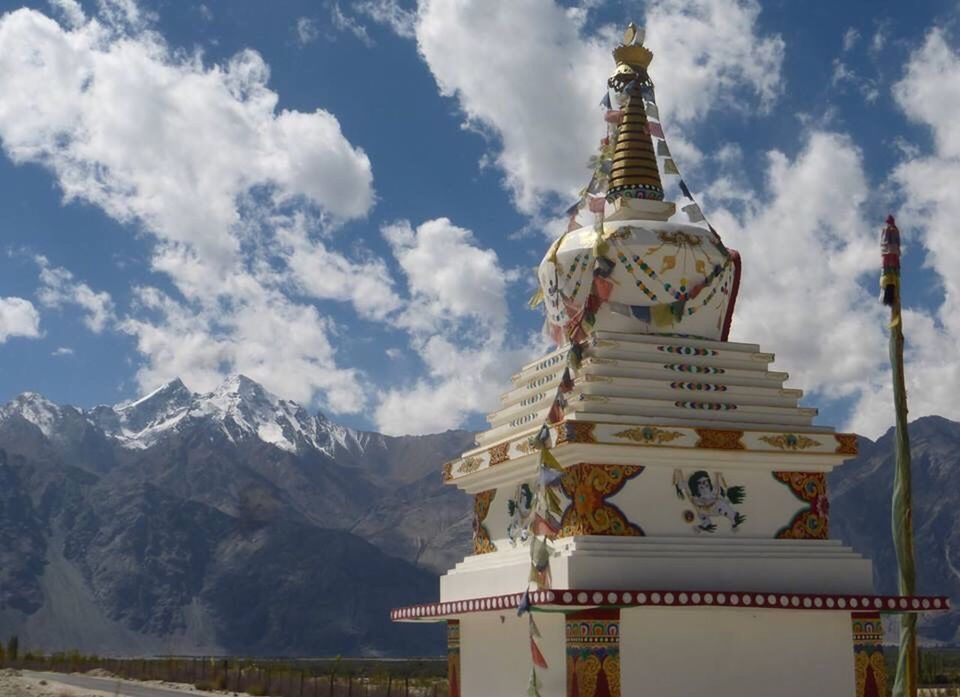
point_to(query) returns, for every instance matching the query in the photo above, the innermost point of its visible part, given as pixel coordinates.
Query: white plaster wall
(650, 501)
(720, 652)
(495, 654)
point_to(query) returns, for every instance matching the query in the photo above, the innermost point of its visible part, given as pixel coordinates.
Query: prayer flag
(655, 129)
(597, 203)
(670, 167)
(693, 212)
(652, 111)
(538, 659)
(613, 116)
(685, 190)
(662, 315)
(662, 149)
(646, 91)
(605, 102)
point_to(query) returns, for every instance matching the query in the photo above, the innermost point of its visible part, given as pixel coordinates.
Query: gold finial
(634, 172)
(632, 52)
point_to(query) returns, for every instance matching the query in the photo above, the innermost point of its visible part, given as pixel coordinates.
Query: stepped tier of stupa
(651, 508)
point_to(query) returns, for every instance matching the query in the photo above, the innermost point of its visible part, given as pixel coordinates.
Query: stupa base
(603, 643)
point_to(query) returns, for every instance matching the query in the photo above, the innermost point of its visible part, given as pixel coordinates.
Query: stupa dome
(633, 270)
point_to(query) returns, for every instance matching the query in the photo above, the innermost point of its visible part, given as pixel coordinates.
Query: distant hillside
(226, 522)
(860, 514)
(236, 522)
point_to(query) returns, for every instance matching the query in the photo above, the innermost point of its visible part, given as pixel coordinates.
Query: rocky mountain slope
(860, 515)
(230, 521)
(238, 522)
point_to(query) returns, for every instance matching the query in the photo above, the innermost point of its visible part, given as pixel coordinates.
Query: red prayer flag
(536, 655)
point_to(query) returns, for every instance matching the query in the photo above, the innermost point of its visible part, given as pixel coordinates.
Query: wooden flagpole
(905, 684)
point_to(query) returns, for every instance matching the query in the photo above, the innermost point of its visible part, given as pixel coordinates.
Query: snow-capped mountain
(240, 408)
(150, 519)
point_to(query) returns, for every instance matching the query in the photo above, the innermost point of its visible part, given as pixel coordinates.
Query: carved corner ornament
(589, 513)
(482, 544)
(813, 521)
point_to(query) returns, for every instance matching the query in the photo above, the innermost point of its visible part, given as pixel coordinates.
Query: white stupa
(650, 494)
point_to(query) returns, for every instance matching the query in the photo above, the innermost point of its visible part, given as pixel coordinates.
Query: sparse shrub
(13, 648)
(257, 690)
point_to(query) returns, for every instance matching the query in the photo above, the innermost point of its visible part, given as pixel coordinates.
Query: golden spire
(634, 172)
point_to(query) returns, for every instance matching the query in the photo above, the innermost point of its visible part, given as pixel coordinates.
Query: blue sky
(345, 200)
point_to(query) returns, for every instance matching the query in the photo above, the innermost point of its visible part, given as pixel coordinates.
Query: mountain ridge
(200, 523)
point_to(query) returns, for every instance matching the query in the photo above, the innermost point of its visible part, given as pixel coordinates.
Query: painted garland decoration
(589, 513)
(813, 521)
(482, 544)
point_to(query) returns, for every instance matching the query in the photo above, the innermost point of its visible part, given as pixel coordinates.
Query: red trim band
(617, 598)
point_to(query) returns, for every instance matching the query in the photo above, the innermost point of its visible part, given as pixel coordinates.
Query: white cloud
(70, 10)
(850, 38)
(125, 125)
(528, 72)
(928, 93)
(324, 274)
(348, 24)
(307, 31)
(58, 288)
(280, 344)
(389, 12)
(805, 245)
(456, 319)
(18, 318)
(449, 276)
(708, 54)
(62, 351)
(198, 157)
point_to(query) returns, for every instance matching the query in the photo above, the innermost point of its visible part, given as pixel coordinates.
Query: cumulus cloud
(449, 276)
(530, 74)
(18, 318)
(805, 245)
(70, 10)
(321, 273)
(456, 317)
(59, 288)
(928, 93)
(198, 157)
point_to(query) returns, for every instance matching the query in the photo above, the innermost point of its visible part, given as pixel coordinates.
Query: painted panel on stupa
(710, 499)
(588, 486)
(813, 521)
(870, 669)
(482, 544)
(593, 653)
